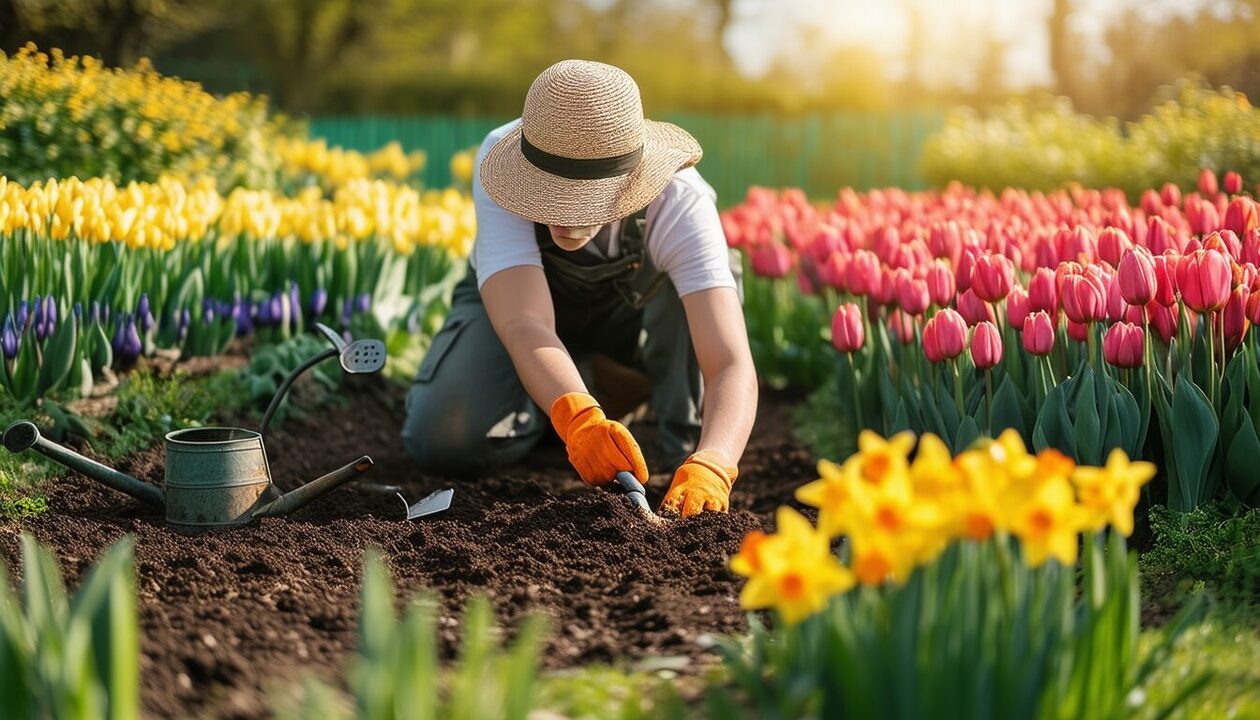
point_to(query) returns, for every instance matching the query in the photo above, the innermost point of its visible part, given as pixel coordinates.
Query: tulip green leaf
(968, 433)
(59, 356)
(1009, 410)
(1242, 461)
(1088, 425)
(1054, 425)
(1194, 435)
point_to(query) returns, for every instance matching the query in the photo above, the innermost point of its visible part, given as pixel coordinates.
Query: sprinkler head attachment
(363, 356)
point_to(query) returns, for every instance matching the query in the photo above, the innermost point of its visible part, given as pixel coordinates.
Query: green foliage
(1044, 144)
(785, 331)
(70, 657)
(397, 675)
(269, 365)
(1224, 647)
(71, 116)
(149, 406)
(975, 634)
(1209, 546)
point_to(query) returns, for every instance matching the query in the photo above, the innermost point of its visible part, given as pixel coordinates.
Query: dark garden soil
(228, 616)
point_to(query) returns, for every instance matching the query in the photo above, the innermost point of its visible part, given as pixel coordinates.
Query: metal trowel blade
(435, 502)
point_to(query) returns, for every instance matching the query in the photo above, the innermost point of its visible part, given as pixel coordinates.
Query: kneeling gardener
(594, 236)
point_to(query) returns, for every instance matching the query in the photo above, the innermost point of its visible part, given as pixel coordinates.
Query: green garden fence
(818, 153)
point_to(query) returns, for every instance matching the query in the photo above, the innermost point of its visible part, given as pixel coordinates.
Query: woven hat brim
(536, 195)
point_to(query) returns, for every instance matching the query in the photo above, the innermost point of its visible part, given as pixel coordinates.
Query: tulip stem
(853, 384)
(988, 398)
(1211, 377)
(958, 393)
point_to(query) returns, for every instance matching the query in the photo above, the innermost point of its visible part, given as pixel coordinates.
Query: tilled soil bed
(229, 615)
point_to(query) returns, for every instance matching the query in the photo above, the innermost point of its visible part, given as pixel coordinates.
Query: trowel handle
(630, 483)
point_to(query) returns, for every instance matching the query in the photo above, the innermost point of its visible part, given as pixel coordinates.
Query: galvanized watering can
(218, 476)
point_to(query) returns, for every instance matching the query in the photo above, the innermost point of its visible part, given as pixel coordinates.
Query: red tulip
(771, 260)
(1240, 216)
(1233, 183)
(1016, 307)
(973, 309)
(1083, 297)
(940, 283)
(1204, 278)
(1136, 274)
(1207, 182)
(944, 336)
(1123, 345)
(992, 276)
(1041, 291)
(1038, 333)
(986, 346)
(847, 331)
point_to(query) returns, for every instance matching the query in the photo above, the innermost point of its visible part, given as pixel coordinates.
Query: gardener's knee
(448, 432)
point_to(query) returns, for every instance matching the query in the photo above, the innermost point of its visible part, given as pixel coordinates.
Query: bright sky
(950, 26)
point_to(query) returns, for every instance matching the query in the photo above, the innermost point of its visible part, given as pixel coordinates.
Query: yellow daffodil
(878, 459)
(792, 571)
(829, 493)
(1049, 523)
(933, 473)
(1110, 493)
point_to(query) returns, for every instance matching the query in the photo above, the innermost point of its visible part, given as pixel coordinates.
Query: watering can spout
(23, 435)
(295, 499)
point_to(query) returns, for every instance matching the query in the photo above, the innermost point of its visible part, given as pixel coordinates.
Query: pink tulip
(1136, 274)
(962, 271)
(1038, 333)
(973, 309)
(944, 336)
(1207, 182)
(1083, 297)
(1164, 319)
(1041, 291)
(986, 346)
(1233, 318)
(1112, 244)
(991, 277)
(771, 260)
(912, 294)
(1233, 183)
(1165, 284)
(1077, 331)
(1171, 195)
(1016, 307)
(1240, 215)
(1123, 345)
(863, 272)
(940, 283)
(1204, 279)
(848, 334)
(902, 326)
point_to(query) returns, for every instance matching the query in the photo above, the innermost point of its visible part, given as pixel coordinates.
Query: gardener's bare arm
(519, 304)
(716, 320)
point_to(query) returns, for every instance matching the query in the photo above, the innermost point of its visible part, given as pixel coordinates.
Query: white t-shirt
(683, 237)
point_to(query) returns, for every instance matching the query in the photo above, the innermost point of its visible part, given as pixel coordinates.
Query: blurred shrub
(1044, 144)
(313, 163)
(71, 116)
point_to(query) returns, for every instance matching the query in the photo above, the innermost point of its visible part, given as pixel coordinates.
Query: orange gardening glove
(702, 483)
(599, 448)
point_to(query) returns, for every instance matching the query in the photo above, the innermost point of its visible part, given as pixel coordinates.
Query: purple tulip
(241, 313)
(50, 316)
(263, 313)
(277, 308)
(9, 339)
(131, 346)
(319, 301)
(23, 314)
(116, 342)
(346, 309)
(145, 313)
(363, 303)
(295, 306)
(185, 319)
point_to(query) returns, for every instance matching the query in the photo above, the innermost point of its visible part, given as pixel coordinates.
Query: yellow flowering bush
(960, 594)
(313, 162)
(72, 116)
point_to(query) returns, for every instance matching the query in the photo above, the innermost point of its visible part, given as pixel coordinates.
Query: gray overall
(467, 411)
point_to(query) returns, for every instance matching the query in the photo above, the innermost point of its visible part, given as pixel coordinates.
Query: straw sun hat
(583, 154)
